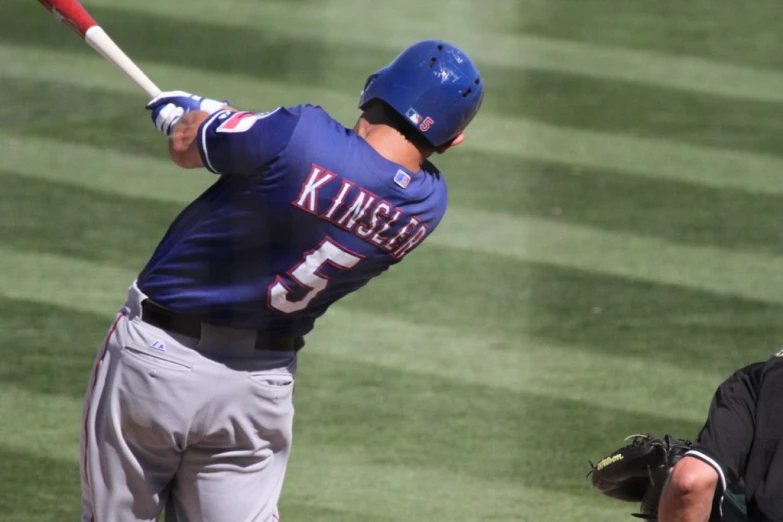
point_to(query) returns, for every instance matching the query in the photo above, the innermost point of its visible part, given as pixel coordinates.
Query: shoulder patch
(243, 121)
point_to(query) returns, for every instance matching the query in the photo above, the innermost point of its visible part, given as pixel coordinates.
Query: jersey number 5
(307, 275)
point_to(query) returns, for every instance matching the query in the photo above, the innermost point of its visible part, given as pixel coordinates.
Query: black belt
(157, 315)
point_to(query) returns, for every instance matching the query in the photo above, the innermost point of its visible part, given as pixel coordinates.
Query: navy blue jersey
(303, 213)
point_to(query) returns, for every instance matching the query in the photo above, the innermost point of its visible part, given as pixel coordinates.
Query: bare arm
(183, 147)
(688, 494)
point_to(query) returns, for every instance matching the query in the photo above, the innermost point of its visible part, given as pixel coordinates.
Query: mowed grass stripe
(105, 170)
(517, 364)
(554, 98)
(378, 402)
(492, 134)
(393, 405)
(343, 483)
(497, 433)
(516, 303)
(331, 485)
(506, 298)
(717, 30)
(625, 108)
(396, 25)
(742, 274)
(520, 365)
(36, 488)
(749, 275)
(368, 402)
(48, 425)
(681, 212)
(336, 485)
(649, 158)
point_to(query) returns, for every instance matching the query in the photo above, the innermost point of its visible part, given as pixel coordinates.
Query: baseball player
(189, 406)
(741, 440)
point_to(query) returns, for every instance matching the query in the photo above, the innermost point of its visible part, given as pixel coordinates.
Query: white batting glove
(168, 107)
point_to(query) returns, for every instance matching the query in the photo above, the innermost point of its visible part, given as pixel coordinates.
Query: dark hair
(379, 112)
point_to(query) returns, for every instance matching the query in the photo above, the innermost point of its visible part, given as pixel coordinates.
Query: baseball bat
(73, 15)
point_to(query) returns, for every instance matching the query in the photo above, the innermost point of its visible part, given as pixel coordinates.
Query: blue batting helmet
(433, 85)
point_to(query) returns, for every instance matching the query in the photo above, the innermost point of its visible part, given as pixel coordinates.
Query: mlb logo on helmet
(402, 178)
(413, 116)
(416, 119)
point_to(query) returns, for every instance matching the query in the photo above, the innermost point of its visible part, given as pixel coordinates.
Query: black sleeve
(725, 440)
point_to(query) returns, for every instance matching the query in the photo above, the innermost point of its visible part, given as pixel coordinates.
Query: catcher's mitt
(638, 471)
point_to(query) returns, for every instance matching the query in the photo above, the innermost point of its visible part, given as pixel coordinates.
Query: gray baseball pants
(200, 426)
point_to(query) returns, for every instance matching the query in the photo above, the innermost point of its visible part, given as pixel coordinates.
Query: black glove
(637, 472)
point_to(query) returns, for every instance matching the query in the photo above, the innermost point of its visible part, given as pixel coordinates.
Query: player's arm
(245, 143)
(178, 114)
(208, 133)
(183, 147)
(689, 492)
(212, 134)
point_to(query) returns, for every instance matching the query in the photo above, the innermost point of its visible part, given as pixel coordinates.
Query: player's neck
(390, 144)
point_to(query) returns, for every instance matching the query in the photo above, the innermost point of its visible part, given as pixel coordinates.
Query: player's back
(305, 212)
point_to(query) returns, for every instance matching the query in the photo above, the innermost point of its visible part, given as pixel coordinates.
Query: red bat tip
(71, 13)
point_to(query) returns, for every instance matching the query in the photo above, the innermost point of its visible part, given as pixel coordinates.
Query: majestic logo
(414, 116)
(402, 178)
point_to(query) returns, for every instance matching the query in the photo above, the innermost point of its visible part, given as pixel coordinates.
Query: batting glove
(168, 107)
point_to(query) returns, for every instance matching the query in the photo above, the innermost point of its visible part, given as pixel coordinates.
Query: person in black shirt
(742, 440)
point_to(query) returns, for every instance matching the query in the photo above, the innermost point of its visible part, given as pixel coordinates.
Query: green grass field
(613, 247)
